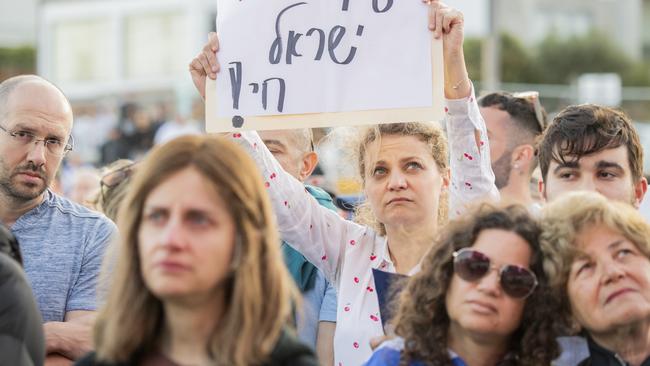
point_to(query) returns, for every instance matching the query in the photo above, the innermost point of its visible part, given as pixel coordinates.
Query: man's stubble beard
(13, 191)
(502, 169)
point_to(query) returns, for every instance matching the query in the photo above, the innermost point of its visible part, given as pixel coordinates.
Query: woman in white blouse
(406, 179)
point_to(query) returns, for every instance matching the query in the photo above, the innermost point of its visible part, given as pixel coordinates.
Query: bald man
(62, 243)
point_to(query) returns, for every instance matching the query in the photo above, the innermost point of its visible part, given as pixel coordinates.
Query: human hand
(205, 64)
(377, 341)
(70, 339)
(447, 23)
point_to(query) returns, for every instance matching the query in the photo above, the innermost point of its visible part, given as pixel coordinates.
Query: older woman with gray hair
(598, 256)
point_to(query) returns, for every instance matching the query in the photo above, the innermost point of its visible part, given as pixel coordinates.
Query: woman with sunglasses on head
(480, 299)
(199, 277)
(405, 172)
(598, 257)
(113, 187)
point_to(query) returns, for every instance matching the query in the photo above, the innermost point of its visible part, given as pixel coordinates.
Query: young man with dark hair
(593, 148)
(513, 123)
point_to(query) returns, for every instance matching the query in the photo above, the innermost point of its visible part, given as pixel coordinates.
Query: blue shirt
(390, 352)
(63, 245)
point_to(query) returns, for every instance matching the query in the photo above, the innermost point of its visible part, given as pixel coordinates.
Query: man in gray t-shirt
(62, 243)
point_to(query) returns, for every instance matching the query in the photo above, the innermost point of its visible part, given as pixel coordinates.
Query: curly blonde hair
(429, 133)
(566, 218)
(422, 318)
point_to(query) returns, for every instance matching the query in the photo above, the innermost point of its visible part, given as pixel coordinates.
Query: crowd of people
(212, 249)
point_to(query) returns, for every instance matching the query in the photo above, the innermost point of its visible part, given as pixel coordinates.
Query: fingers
(451, 18)
(213, 41)
(437, 13)
(209, 57)
(377, 341)
(206, 62)
(208, 68)
(439, 17)
(442, 18)
(196, 67)
(199, 66)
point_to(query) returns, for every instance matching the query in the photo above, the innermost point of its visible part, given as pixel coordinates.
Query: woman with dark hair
(481, 297)
(199, 278)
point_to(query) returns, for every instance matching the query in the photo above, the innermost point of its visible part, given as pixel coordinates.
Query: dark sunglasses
(472, 265)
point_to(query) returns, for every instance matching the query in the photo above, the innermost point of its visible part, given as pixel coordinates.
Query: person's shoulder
(66, 207)
(69, 207)
(290, 351)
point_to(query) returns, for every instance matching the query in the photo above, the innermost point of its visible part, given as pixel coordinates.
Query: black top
(599, 356)
(21, 327)
(288, 351)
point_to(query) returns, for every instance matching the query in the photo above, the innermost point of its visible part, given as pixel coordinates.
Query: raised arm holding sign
(406, 176)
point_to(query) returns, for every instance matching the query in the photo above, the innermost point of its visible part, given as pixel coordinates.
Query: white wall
(17, 22)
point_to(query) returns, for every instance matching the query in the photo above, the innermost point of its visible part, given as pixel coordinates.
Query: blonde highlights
(432, 135)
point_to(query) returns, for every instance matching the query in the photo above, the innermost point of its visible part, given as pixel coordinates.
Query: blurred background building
(107, 48)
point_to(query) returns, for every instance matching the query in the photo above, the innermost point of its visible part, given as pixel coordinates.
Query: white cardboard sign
(317, 63)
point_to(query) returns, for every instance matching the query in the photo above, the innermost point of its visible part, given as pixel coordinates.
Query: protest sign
(317, 63)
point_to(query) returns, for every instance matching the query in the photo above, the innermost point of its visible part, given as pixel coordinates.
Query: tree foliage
(14, 61)
(557, 60)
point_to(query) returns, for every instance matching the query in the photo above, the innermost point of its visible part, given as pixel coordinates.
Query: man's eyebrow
(273, 142)
(603, 164)
(23, 127)
(567, 164)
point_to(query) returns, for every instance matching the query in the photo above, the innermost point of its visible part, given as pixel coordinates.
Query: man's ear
(542, 189)
(309, 162)
(522, 156)
(640, 188)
